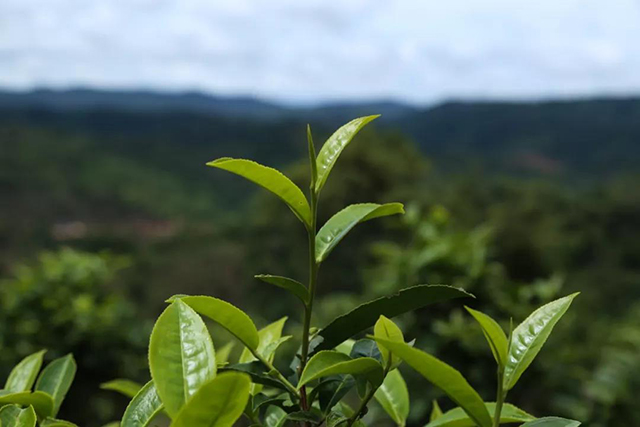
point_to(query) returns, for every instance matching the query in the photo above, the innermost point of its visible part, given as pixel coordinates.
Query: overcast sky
(308, 51)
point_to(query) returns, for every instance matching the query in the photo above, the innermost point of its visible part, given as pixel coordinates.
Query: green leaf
(56, 379)
(230, 317)
(458, 418)
(552, 422)
(393, 396)
(494, 334)
(386, 329)
(333, 147)
(331, 390)
(436, 412)
(270, 339)
(328, 362)
(258, 373)
(41, 402)
(181, 355)
(275, 417)
(145, 405)
(334, 230)
(52, 422)
(223, 353)
(270, 179)
(366, 315)
(444, 377)
(24, 374)
(218, 403)
(529, 337)
(293, 286)
(123, 386)
(14, 416)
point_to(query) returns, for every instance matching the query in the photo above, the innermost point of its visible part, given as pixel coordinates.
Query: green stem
(500, 397)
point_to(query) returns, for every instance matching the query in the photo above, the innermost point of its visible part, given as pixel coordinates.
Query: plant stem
(500, 397)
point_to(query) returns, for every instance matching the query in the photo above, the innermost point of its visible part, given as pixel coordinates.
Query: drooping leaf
(334, 230)
(56, 379)
(41, 402)
(494, 334)
(328, 362)
(436, 412)
(230, 317)
(24, 374)
(444, 377)
(529, 337)
(257, 372)
(293, 286)
(393, 396)
(123, 386)
(552, 422)
(14, 416)
(385, 328)
(366, 315)
(311, 417)
(270, 179)
(52, 422)
(332, 148)
(144, 406)
(458, 418)
(262, 400)
(181, 355)
(218, 403)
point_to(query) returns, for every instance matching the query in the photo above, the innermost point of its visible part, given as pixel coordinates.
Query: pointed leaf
(334, 230)
(552, 422)
(257, 372)
(385, 328)
(293, 286)
(41, 402)
(327, 363)
(181, 355)
(366, 315)
(218, 403)
(333, 147)
(24, 374)
(230, 317)
(52, 422)
(332, 390)
(529, 337)
(494, 334)
(393, 396)
(14, 416)
(436, 412)
(444, 377)
(458, 418)
(56, 379)
(270, 338)
(271, 180)
(123, 386)
(366, 348)
(145, 405)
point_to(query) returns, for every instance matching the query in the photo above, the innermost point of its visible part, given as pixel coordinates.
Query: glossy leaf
(230, 317)
(552, 422)
(24, 374)
(386, 329)
(218, 403)
(333, 147)
(529, 337)
(494, 334)
(145, 405)
(270, 179)
(56, 379)
(181, 355)
(393, 396)
(458, 418)
(125, 387)
(293, 286)
(327, 363)
(366, 315)
(14, 416)
(334, 230)
(444, 377)
(436, 412)
(52, 422)
(41, 402)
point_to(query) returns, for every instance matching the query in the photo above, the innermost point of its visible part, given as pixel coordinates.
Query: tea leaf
(327, 363)
(333, 147)
(293, 286)
(458, 418)
(42, 403)
(145, 405)
(385, 328)
(270, 179)
(393, 396)
(56, 379)
(14, 416)
(494, 334)
(436, 412)
(181, 355)
(257, 372)
(24, 374)
(552, 422)
(444, 377)
(529, 337)
(126, 387)
(52, 422)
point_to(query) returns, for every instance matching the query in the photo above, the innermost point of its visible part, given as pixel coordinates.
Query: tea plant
(196, 386)
(25, 402)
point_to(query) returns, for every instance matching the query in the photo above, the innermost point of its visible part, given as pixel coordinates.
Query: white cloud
(292, 50)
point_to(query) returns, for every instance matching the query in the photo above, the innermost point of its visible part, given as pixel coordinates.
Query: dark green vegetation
(504, 222)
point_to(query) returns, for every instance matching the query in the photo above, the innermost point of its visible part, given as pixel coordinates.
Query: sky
(299, 51)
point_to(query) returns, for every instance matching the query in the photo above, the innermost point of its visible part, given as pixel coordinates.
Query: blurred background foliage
(72, 189)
